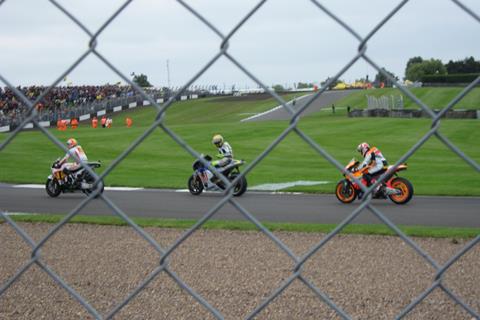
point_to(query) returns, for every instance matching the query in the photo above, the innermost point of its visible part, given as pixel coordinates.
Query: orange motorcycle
(393, 187)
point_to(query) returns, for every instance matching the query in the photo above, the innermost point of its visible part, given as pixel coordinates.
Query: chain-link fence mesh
(299, 261)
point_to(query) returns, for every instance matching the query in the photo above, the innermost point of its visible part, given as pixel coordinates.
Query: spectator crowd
(58, 101)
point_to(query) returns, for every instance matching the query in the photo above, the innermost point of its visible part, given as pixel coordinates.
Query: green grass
(414, 231)
(435, 98)
(161, 163)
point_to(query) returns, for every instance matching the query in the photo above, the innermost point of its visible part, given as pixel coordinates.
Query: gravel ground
(369, 277)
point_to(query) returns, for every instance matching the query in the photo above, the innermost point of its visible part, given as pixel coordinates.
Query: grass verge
(413, 231)
(161, 162)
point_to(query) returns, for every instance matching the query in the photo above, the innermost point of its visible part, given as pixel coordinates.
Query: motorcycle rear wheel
(345, 194)
(240, 187)
(195, 186)
(91, 180)
(52, 188)
(406, 189)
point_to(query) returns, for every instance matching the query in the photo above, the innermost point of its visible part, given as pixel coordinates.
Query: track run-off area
(265, 206)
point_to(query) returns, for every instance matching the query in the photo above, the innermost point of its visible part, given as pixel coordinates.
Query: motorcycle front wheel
(406, 189)
(345, 192)
(195, 186)
(53, 188)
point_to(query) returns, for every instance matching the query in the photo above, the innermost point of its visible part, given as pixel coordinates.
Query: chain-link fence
(298, 261)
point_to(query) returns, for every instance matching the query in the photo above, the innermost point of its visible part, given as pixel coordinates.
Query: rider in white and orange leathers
(373, 159)
(75, 151)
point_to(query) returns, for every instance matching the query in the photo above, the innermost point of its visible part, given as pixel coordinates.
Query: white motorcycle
(70, 181)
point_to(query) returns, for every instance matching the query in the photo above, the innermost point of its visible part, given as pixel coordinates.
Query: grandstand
(68, 102)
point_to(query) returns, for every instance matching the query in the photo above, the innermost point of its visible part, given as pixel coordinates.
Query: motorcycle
(204, 179)
(399, 190)
(80, 179)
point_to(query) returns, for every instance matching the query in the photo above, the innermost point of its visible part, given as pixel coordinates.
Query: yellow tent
(340, 86)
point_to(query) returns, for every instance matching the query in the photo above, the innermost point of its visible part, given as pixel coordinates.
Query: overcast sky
(284, 42)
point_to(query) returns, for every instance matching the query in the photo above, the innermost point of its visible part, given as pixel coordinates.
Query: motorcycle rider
(74, 149)
(225, 151)
(374, 160)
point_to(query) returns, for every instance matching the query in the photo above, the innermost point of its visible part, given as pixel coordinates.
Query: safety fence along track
(296, 274)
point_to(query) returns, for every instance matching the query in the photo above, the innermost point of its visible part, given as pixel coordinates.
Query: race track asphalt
(271, 207)
(324, 101)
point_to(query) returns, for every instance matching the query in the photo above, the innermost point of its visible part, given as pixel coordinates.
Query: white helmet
(217, 140)
(363, 148)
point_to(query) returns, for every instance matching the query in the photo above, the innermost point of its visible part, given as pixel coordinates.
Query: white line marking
(273, 109)
(29, 186)
(285, 185)
(262, 187)
(277, 186)
(261, 114)
(249, 191)
(18, 214)
(41, 186)
(122, 188)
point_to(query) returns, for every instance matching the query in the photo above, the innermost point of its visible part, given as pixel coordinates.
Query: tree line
(431, 71)
(435, 71)
(419, 69)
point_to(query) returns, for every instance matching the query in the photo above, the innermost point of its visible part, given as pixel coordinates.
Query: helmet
(363, 148)
(217, 140)
(71, 143)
